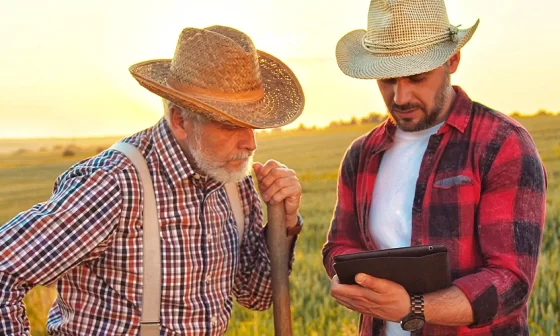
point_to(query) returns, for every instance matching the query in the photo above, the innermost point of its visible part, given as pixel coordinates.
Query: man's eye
(230, 128)
(416, 79)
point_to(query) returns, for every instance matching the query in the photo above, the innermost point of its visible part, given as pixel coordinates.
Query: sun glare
(65, 65)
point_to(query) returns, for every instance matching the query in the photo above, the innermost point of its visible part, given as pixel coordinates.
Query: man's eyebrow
(418, 75)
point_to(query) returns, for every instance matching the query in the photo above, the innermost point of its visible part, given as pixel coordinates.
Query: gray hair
(186, 113)
(194, 118)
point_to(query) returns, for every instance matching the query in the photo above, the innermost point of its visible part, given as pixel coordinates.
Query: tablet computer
(419, 269)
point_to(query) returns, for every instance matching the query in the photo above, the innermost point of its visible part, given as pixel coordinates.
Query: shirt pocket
(459, 189)
(452, 182)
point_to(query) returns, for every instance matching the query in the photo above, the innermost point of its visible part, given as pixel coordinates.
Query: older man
(87, 239)
(441, 170)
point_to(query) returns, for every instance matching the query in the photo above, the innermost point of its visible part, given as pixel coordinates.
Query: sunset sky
(64, 64)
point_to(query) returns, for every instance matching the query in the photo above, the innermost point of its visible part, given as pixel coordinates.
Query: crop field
(27, 177)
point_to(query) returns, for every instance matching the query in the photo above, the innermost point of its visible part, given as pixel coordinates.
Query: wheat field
(26, 178)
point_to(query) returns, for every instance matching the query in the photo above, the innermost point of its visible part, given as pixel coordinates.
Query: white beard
(218, 170)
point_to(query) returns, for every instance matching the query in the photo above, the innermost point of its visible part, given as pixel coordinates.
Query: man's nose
(247, 139)
(403, 92)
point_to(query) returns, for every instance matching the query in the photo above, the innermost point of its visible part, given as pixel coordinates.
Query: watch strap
(417, 304)
(294, 230)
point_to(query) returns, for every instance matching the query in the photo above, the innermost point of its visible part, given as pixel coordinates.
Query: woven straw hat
(403, 38)
(217, 71)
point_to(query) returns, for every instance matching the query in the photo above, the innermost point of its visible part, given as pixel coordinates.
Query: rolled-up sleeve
(510, 227)
(39, 245)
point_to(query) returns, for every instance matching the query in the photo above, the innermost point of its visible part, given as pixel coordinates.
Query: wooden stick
(278, 247)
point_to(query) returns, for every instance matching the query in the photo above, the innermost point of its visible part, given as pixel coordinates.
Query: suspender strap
(151, 289)
(237, 208)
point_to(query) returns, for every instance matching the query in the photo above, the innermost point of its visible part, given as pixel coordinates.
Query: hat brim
(356, 61)
(281, 104)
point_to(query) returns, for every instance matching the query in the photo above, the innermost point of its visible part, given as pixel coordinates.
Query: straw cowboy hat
(403, 38)
(217, 71)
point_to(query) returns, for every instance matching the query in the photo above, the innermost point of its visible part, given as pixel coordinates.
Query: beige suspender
(151, 289)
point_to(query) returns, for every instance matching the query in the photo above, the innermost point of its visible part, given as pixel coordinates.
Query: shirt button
(209, 237)
(196, 176)
(214, 320)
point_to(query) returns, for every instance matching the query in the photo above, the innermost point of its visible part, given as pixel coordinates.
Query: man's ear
(177, 123)
(453, 62)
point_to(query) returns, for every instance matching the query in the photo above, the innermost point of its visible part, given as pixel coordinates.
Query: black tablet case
(419, 269)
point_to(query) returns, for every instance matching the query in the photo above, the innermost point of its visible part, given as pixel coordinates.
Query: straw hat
(217, 71)
(403, 38)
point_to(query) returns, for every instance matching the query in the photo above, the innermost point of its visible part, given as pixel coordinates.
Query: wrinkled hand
(380, 298)
(278, 183)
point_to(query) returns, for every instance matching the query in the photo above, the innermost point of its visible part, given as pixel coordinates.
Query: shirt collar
(460, 113)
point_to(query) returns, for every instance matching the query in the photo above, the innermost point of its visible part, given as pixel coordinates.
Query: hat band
(197, 92)
(399, 47)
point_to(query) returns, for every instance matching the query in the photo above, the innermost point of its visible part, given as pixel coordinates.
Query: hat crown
(404, 24)
(217, 59)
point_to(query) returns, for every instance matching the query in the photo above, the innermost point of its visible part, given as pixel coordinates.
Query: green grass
(315, 155)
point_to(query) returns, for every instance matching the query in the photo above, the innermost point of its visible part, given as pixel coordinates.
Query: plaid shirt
(87, 239)
(480, 191)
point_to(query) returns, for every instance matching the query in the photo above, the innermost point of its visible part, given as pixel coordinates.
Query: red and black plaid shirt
(480, 191)
(87, 239)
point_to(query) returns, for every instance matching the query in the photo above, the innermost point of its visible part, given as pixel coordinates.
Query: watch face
(414, 323)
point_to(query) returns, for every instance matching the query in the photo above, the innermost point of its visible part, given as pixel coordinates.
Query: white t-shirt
(390, 216)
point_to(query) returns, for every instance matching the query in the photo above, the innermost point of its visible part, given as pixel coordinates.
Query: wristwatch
(295, 230)
(415, 320)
